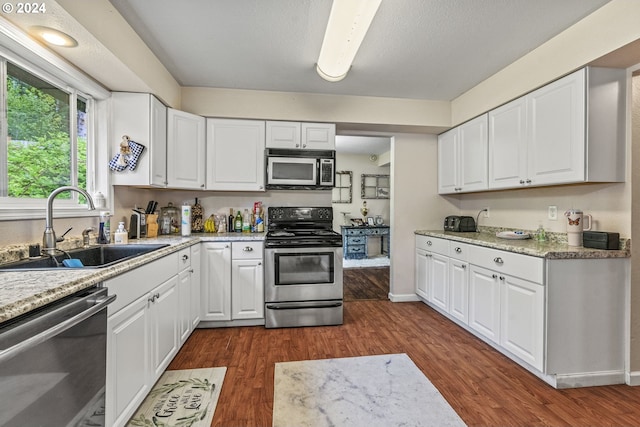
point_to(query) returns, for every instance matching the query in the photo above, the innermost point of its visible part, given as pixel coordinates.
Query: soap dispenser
(121, 236)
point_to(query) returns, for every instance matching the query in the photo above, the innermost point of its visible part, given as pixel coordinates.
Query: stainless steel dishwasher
(53, 363)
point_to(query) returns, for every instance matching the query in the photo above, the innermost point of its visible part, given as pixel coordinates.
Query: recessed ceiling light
(53, 37)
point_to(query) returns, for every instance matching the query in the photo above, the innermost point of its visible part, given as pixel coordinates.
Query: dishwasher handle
(100, 303)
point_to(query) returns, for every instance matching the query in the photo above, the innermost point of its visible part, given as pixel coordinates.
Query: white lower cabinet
(562, 319)
(439, 273)
(189, 285)
(522, 319)
(216, 281)
(232, 283)
(459, 290)
(247, 282)
(145, 329)
(484, 302)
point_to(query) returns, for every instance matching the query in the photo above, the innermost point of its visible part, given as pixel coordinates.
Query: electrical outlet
(486, 212)
(553, 213)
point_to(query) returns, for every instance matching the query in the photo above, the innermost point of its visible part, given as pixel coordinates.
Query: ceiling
(422, 49)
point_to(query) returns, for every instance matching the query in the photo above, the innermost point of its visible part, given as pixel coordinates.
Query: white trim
(632, 378)
(589, 379)
(403, 297)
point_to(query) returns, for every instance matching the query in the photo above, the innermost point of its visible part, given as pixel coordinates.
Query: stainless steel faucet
(86, 239)
(49, 238)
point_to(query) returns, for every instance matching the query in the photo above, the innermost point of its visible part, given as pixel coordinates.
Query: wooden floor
(370, 283)
(484, 387)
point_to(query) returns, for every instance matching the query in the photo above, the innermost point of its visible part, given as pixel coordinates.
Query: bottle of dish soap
(541, 236)
(121, 236)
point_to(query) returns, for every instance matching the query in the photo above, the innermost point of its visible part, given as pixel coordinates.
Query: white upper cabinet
(569, 131)
(235, 155)
(144, 119)
(186, 150)
(295, 135)
(462, 157)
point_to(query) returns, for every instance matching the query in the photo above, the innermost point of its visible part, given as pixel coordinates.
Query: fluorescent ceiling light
(53, 37)
(348, 23)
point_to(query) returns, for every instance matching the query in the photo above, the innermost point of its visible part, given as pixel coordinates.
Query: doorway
(361, 203)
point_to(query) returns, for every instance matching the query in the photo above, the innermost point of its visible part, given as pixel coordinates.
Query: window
(45, 138)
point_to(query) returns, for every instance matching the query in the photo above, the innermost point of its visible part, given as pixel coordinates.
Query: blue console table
(355, 240)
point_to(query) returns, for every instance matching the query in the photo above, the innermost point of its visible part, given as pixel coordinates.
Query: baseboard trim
(403, 297)
(589, 379)
(632, 378)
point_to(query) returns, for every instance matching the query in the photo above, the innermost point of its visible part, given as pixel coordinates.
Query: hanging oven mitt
(135, 150)
(119, 162)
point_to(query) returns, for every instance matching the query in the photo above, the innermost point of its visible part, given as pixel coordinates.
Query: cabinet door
(196, 262)
(235, 155)
(283, 135)
(247, 289)
(184, 287)
(522, 319)
(459, 290)
(508, 145)
(216, 281)
(128, 362)
(448, 175)
(473, 154)
(165, 316)
(318, 136)
(422, 273)
(143, 118)
(439, 281)
(185, 150)
(158, 141)
(484, 302)
(556, 122)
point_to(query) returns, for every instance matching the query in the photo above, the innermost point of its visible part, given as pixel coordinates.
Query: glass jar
(379, 220)
(169, 219)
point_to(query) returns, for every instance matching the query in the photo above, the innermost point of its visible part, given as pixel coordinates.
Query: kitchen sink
(92, 257)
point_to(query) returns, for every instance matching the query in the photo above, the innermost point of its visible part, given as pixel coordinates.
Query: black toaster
(459, 223)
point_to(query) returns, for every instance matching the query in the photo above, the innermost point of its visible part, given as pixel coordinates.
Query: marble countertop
(551, 249)
(24, 291)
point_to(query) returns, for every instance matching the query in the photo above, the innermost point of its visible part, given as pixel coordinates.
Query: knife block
(152, 225)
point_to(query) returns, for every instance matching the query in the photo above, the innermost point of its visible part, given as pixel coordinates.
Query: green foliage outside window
(39, 146)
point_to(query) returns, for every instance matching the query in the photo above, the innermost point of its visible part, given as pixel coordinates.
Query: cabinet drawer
(433, 244)
(354, 232)
(359, 249)
(246, 250)
(517, 265)
(459, 250)
(378, 231)
(356, 240)
(184, 259)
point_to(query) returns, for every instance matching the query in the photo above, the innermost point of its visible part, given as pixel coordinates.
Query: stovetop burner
(296, 226)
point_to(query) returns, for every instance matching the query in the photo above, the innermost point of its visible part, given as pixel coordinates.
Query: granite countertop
(554, 248)
(24, 291)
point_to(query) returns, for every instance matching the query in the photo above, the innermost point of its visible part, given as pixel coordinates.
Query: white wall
(359, 164)
(415, 204)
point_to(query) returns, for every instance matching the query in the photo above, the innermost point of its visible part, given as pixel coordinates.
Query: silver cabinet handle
(247, 249)
(498, 260)
(259, 263)
(522, 181)
(495, 276)
(502, 278)
(152, 299)
(297, 145)
(226, 246)
(429, 243)
(185, 257)
(528, 181)
(458, 250)
(191, 270)
(463, 266)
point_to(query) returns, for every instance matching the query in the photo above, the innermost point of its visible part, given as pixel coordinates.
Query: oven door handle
(99, 304)
(294, 306)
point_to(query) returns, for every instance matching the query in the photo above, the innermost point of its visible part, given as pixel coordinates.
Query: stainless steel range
(303, 268)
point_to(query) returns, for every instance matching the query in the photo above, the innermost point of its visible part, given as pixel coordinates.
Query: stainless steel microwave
(300, 169)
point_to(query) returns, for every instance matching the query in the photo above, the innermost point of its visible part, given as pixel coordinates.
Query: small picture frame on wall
(370, 220)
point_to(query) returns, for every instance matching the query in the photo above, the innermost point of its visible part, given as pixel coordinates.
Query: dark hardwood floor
(370, 283)
(483, 386)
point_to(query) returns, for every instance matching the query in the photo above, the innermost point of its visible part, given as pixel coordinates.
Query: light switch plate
(553, 213)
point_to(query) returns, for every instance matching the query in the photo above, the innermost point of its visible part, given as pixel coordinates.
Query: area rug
(385, 390)
(186, 397)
